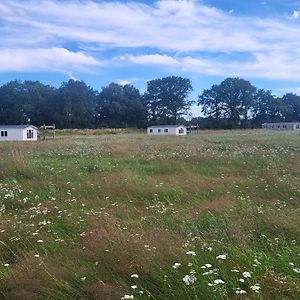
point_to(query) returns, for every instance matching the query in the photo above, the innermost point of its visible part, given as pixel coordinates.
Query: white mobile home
(18, 133)
(167, 130)
(282, 126)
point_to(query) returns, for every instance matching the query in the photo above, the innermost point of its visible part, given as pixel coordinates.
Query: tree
(267, 107)
(291, 103)
(120, 106)
(75, 105)
(167, 98)
(231, 99)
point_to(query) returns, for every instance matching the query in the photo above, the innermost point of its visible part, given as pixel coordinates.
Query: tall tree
(75, 105)
(233, 98)
(291, 103)
(167, 98)
(120, 106)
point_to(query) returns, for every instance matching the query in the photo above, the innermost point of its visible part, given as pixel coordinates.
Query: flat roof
(16, 126)
(164, 126)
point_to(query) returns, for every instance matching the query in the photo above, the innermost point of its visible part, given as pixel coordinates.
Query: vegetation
(234, 103)
(208, 216)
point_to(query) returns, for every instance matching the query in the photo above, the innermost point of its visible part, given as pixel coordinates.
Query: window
(151, 130)
(166, 130)
(278, 126)
(181, 131)
(29, 134)
(3, 133)
(159, 130)
(297, 126)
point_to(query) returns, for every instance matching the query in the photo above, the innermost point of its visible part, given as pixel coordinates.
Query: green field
(215, 215)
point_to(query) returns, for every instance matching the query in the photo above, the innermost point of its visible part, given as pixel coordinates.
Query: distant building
(18, 133)
(282, 126)
(167, 130)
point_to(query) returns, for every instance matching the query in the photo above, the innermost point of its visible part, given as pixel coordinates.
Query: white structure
(282, 126)
(18, 133)
(167, 130)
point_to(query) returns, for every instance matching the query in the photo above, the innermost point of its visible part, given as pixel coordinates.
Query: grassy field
(126, 216)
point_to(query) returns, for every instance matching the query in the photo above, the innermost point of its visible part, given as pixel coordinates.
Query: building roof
(16, 126)
(166, 126)
(276, 123)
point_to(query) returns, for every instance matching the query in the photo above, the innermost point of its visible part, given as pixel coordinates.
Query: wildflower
(239, 291)
(190, 264)
(247, 274)
(189, 279)
(40, 241)
(255, 288)
(222, 256)
(134, 287)
(218, 281)
(127, 297)
(193, 253)
(134, 276)
(6, 265)
(176, 265)
(83, 278)
(36, 255)
(235, 270)
(297, 270)
(242, 280)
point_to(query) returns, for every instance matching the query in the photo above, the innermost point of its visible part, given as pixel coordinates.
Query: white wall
(171, 131)
(17, 134)
(24, 134)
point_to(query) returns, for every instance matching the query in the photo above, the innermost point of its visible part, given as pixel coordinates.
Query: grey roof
(16, 126)
(276, 123)
(166, 126)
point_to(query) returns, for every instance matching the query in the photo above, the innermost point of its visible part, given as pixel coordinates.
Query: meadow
(214, 215)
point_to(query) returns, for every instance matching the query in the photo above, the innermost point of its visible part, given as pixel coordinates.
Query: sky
(136, 41)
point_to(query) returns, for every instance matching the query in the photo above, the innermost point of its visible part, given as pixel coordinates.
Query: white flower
(208, 266)
(242, 280)
(134, 287)
(189, 279)
(239, 291)
(6, 265)
(127, 297)
(218, 281)
(297, 270)
(36, 255)
(235, 270)
(193, 253)
(255, 288)
(134, 276)
(247, 274)
(40, 241)
(83, 278)
(222, 256)
(176, 265)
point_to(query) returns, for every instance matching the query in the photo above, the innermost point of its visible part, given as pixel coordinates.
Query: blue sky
(135, 41)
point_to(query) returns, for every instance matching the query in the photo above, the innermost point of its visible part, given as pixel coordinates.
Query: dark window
(278, 126)
(181, 131)
(151, 130)
(29, 134)
(159, 130)
(166, 130)
(3, 133)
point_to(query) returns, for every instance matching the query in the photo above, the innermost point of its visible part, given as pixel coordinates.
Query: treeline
(235, 103)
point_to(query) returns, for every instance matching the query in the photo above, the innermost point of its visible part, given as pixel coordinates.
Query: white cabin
(18, 133)
(167, 130)
(282, 126)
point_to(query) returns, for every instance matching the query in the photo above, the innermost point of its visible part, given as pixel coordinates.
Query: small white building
(282, 126)
(18, 133)
(167, 130)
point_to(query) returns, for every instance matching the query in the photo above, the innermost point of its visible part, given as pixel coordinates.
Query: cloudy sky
(135, 41)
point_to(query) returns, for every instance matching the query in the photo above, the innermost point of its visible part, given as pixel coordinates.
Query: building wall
(162, 131)
(17, 134)
(12, 134)
(282, 126)
(24, 134)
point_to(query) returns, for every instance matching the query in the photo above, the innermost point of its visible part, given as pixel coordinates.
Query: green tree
(120, 106)
(233, 99)
(75, 105)
(167, 98)
(291, 103)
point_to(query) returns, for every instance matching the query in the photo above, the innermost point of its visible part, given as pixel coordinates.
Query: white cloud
(296, 14)
(44, 59)
(188, 35)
